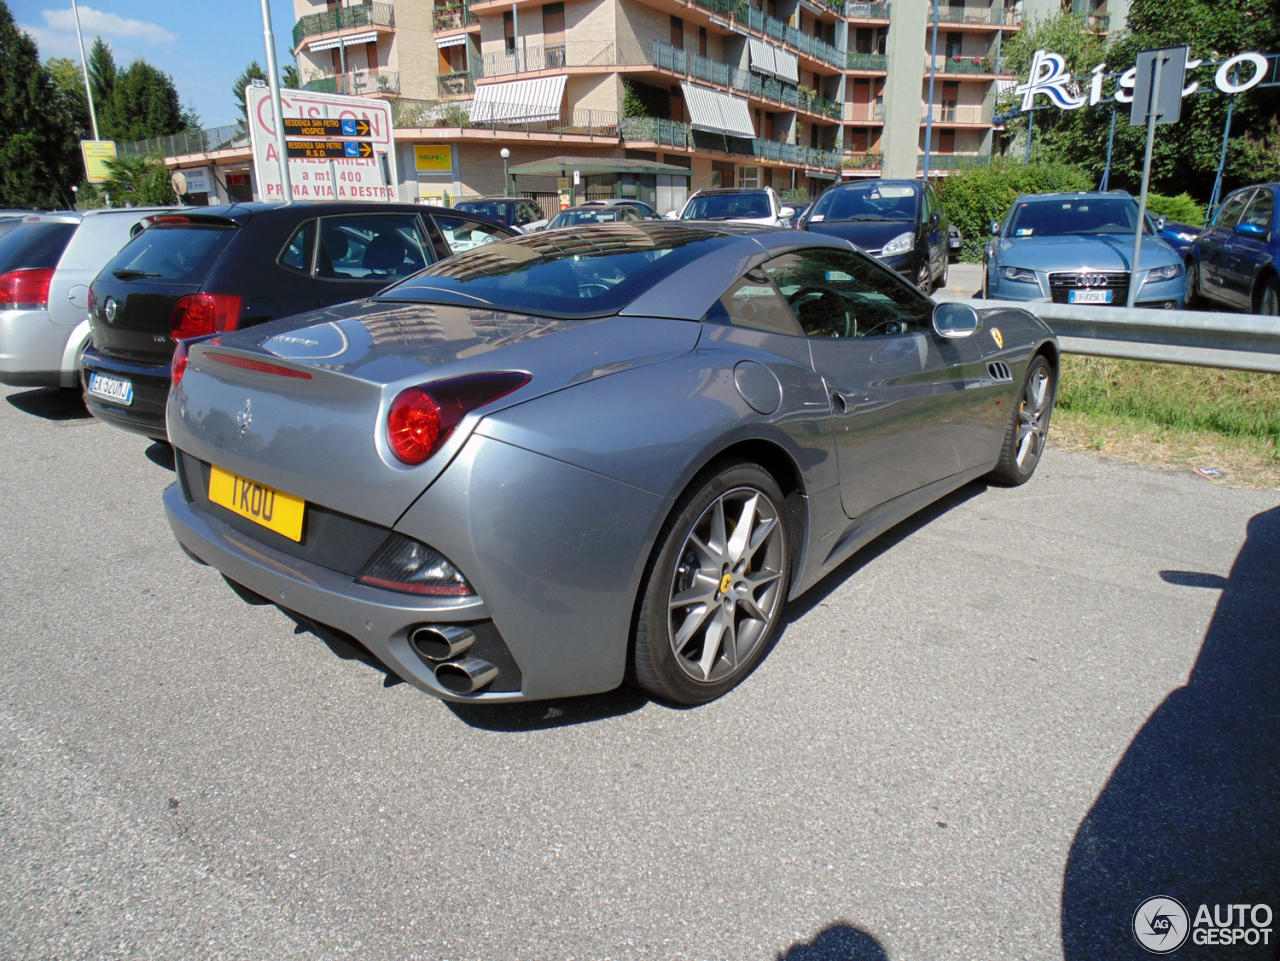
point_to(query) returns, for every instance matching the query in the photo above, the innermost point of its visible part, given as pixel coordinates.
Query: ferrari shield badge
(997, 337)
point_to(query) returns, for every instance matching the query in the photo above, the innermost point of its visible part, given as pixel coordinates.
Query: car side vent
(999, 371)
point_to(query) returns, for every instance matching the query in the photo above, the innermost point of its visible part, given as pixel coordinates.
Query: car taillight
(198, 314)
(403, 564)
(422, 418)
(25, 288)
(178, 366)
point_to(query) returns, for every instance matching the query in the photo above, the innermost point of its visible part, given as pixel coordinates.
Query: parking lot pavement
(963, 280)
(990, 735)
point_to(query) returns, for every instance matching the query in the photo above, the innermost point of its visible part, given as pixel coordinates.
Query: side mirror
(995, 228)
(955, 320)
(1160, 224)
(786, 213)
(1251, 230)
(672, 215)
(934, 219)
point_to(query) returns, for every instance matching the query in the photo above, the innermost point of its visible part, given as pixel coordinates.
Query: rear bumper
(146, 415)
(32, 349)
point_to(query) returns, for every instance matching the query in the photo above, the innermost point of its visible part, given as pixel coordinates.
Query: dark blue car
(1234, 261)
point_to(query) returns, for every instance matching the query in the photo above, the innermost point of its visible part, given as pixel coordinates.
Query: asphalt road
(990, 735)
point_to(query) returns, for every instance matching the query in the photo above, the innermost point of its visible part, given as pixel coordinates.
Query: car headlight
(899, 245)
(1172, 272)
(1019, 274)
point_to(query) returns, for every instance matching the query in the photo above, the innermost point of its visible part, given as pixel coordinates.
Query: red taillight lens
(25, 288)
(198, 314)
(259, 366)
(422, 418)
(178, 366)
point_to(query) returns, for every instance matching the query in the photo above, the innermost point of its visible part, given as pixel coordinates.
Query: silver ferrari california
(567, 460)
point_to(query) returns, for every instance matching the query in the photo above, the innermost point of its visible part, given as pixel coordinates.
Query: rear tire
(1028, 426)
(693, 641)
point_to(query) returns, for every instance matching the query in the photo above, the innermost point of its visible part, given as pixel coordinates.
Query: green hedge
(1180, 209)
(976, 196)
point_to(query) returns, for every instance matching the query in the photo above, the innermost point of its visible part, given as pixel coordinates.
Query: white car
(743, 205)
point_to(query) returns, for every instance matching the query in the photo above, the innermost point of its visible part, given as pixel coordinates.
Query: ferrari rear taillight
(403, 564)
(422, 418)
(27, 288)
(196, 315)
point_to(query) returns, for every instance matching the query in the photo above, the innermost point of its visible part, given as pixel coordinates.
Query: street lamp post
(84, 67)
(504, 153)
(933, 69)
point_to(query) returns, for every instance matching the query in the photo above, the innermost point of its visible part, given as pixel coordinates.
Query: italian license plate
(118, 389)
(1089, 297)
(273, 509)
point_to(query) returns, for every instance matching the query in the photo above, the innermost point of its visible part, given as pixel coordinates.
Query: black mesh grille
(1062, 283)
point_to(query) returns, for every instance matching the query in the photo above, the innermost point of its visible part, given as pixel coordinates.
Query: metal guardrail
(1196, 338)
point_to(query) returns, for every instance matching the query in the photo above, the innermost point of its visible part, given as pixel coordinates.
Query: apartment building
(737, 92)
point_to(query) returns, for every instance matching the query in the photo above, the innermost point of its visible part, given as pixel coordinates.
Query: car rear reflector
(403, 564)
(25, 289)
(198, 314)
(261, 366)
(422, 418)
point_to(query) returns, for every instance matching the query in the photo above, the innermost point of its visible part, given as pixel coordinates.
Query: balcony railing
(662, 56)
(956, 113)
(361, 15)
(1097, 22)
(210, 140)
(866, 11)
(775, 29)
(866, 61)
(455, 84)
(454, 18)
(672, 133)
(953, 161)
(985, 16)
(357, 83)
(862, 161)
(865, 112)
(962, 65)
(459, 113)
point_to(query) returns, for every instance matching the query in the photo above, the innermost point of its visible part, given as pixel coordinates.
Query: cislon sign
(1050, 76)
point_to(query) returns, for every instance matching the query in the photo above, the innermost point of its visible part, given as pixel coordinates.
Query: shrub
(975, 196)
(642, 100)
(1180, 209)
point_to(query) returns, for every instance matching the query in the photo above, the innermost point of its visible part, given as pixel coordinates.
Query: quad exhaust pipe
(442, 646)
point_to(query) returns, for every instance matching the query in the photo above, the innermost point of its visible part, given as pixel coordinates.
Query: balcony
(454, 18)
(660, 56)
(866, 61)
(775, 29)
(953, 161)
(952, 113)
(1097, 22)
(450, 85)
(976, 16)
(672, 133)
(864, 112)
(356, 83)
(362, 15)
(570, 121)
(862, 161)
(866, 11)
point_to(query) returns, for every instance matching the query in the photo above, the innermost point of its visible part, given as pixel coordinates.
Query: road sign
(96, 153)
(366, 176)
(1159, 91)
(329, 149)
(326, 127)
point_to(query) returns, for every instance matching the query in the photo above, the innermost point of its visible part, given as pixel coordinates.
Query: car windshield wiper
(132, 274)
(862, 217)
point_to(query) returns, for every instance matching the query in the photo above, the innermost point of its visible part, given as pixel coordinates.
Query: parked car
(41, 338)
(646, 212)
(1076, 248)
(955, 241)
(516, 212)
(595, 214)
(1178, 236)
(739, 204)
(223, 268)
(1234, 262)
(798, 211)
(538, 468)
(900, 222)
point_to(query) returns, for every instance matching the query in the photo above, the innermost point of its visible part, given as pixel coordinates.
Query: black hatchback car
(899, 222)
(210, 269)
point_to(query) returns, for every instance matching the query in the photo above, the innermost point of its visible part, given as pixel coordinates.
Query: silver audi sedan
(571, 459)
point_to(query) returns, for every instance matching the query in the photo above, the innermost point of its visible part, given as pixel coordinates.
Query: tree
(38, 157)
(289, 77)
(70, 82)
(251, 73)
(102, 75)
(144, 103)
(142, 181)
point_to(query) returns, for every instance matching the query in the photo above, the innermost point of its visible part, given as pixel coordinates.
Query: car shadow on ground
(837, 942)
(542, 715)
(1192, 810)
(51, 403)
(161, 454)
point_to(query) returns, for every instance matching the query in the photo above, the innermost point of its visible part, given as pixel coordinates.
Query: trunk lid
(135, 294)
(322, 436)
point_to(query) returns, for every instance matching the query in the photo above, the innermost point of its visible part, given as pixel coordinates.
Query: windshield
(497, 209)
(177, 253)
(1078, 215)
(870, 201)
(592, 272)
(596, 215)
(728, 207)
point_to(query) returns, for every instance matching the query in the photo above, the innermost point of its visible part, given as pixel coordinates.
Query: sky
(201, 44)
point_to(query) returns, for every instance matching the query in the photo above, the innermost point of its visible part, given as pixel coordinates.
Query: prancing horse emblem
(245, 417)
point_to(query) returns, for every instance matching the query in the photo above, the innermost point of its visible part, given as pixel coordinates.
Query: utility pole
(273, 79)
(933, 69)
(84, 67)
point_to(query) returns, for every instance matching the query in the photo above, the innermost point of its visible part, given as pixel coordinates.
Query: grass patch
(1172, 415)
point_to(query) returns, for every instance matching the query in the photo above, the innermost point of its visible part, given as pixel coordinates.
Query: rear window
(175, 253)
(497, 209)
(34, 245)
(592, 215)
(591, 272)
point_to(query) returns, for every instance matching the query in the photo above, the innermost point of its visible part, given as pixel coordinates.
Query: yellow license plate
(273, 509)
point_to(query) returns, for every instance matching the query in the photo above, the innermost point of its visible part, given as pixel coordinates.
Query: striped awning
(454, 41)
(788, 65)
(349, 41)
(717, 112)
(762, 57)
(528, 100)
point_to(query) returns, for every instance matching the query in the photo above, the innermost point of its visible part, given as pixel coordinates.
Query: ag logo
(1161, 924)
